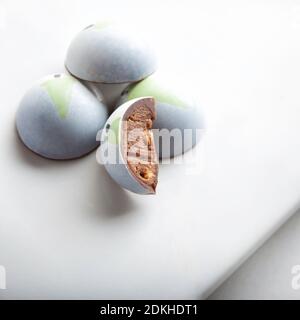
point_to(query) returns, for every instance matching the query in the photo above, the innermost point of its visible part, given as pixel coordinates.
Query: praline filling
(139, 147)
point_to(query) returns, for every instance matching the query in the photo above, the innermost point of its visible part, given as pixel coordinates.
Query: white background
(67, 231)
(270, 272)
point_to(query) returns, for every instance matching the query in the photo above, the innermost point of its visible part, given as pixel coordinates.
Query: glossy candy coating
(175, 110)
(59, 118)
(106, 52)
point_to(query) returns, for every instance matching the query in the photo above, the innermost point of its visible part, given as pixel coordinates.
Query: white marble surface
(67, 231)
